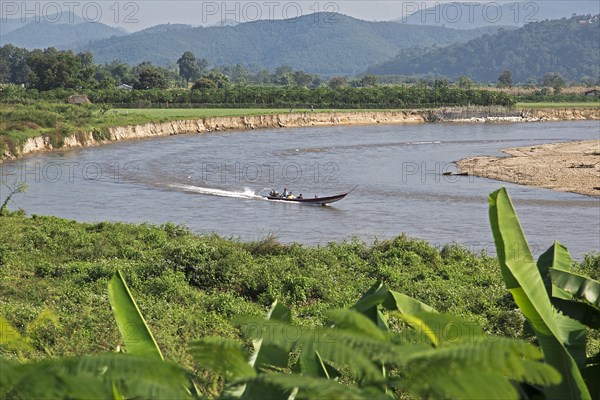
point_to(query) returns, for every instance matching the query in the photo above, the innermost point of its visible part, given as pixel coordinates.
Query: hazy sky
(136, 15)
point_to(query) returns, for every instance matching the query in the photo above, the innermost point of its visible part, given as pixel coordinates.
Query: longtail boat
(320, 201)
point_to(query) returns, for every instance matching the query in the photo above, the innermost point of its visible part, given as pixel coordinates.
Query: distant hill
(567, 46)
(66, 31)
(514, 13)
(225, 22)
(11, 24)
(308, 43)
(163, 28)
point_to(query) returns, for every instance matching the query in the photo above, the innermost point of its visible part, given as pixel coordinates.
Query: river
(210, 182)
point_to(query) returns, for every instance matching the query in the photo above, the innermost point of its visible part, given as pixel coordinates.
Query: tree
(13, 65)
(123, 73)
(369, 81)
(204, 83)
(441, 83)
(263, 76)
(218, 77)
(530, 84)
(282, 70)
(554, 80)
(505, 79)
(285, 79)
(5, 70)
(301, 78)
(237, 73)
(188, 66)
(15, 189)
(337, 82)
(202, 64)
(464, 82)
(51, 69)
(150, 77)
(86, 73)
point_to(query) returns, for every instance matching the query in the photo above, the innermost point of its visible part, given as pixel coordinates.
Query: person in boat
(290, 195)
(285, 193)
(299, 196)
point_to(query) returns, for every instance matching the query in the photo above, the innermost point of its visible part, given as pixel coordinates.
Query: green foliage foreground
(385, 345)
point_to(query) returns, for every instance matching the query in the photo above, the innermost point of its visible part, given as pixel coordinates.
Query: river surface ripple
(210, 183)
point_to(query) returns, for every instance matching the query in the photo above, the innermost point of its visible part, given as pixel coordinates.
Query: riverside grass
(190, 286)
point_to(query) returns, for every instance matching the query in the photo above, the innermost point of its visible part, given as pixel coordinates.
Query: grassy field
(160, 114)
(174, 113)
(559, 105)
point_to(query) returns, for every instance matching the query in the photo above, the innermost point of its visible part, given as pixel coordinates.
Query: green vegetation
(424, 362)
(387, 345)
(188, 284)
(563, 46)
(12, 191)
(398, 96)
(549, 295)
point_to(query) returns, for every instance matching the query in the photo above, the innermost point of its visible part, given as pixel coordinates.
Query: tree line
(52, 69)
(249, 96)
(52, 74)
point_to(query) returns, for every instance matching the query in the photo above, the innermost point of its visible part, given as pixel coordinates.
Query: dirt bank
(147, 130)
(463, 115)
(567, 167)
(562, 114)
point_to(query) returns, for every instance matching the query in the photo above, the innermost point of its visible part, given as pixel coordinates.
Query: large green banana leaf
(524, 281)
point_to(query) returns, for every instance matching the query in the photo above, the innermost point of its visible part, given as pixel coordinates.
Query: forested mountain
(312, 43)
(66, 31)
(569, 47)
(13, 22)
(514, 13)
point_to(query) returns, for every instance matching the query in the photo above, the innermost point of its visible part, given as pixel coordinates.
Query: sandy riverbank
(567, 167)
(288, 120)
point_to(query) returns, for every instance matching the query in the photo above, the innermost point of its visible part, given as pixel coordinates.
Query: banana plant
(443, 356)
(137, 336)
(546, 292)
(140, 373)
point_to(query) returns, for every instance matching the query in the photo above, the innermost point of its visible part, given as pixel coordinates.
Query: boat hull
(319, 201)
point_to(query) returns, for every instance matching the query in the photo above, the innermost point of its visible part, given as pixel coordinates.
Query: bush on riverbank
(190, 286)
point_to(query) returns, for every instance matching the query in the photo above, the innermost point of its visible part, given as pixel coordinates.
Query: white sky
(136, 15)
